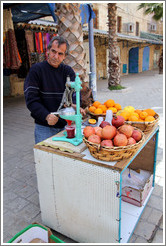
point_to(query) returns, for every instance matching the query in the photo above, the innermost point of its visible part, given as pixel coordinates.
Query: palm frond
(153, 8)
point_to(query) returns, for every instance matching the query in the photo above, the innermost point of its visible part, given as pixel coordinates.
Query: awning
(24, 12)
(120, 36)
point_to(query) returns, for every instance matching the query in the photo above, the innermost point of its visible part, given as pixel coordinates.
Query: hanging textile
(34, 42)
(34, 58)
(44, 42)
(37, 42)
(23, 50)
(40, 42)
(30, 43)
(41, 57)
(48, 38)
(11, 57)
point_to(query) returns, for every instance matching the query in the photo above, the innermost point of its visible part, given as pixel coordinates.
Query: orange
(92, 109)
(110, 103)
(125, 114)
(134, 114)
(150, 112)
(98, 111)
(130, 109)
(138, 111)
(114, 110)
(143, 115)
(133, 118)
(92, 121)
(140, 120)
(103, 107)
(96, 104)
(119, 112)
(149, 118)
(117, 106)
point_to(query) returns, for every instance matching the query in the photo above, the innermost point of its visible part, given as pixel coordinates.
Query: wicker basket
(96, 116)
(113, 153)
(144, 126)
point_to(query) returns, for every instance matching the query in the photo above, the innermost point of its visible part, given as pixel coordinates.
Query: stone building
(139, 39)
(139, 42)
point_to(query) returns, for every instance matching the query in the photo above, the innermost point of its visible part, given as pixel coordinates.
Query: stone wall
(129, 13)
(102, 52)
(16, 85)
(101, 66)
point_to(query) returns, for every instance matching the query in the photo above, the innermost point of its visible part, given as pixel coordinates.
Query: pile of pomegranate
(115, 135)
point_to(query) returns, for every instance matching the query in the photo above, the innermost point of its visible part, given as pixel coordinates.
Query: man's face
(56, 54)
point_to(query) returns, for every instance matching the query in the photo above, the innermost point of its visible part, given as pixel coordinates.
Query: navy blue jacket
(43, 90)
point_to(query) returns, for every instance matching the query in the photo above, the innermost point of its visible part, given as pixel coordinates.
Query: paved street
(20, 193)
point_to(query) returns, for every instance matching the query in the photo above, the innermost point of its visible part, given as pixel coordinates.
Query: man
(44, 87)
(160, 63)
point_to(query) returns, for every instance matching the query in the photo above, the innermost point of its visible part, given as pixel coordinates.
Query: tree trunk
(113, 64)
(70, 28)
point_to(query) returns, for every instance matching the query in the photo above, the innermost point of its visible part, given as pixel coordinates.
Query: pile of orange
(138, 115)
(99, 108)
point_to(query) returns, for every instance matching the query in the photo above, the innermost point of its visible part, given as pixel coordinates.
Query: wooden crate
(137, 196)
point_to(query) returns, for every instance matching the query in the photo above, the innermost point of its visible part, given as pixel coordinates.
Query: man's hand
(52, 119)
(82, 111)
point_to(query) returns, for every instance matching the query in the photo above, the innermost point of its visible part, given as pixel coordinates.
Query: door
(133, 60)
(156, 58)
(137, 29)
(145, 63)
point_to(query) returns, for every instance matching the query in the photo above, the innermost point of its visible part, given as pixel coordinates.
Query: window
(153, 27)
(137, 29)
(130, 27)
(95, 20)
(119, 24)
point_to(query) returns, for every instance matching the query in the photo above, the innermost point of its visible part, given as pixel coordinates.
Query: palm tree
(157, 10)
(153, 8)
(69, 27)
(113, 64)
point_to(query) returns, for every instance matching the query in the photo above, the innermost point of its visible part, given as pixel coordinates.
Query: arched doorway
(133, 60)
(145, 62)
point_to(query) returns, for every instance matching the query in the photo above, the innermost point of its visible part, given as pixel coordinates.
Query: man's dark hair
(60, 41)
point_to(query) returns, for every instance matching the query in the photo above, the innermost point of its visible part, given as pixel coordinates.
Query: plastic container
(109, 116)
(35, 233)
(70, 131)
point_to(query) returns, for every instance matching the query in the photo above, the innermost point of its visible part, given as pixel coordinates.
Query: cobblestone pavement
(20, 193)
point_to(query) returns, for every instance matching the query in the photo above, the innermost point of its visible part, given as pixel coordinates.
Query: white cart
(80, 196)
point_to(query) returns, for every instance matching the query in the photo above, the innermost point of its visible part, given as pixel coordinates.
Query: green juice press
(69, 114)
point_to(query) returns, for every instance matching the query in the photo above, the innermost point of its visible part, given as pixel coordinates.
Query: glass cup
(70, 131)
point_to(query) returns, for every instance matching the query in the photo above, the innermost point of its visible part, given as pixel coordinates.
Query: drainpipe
(92, 74)
(52, 8)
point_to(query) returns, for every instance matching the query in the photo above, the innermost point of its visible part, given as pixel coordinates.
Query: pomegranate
(97, 128)
(99, 132)
(118, 121)
(137, 135)
(104, 123)
(94, 139)
(127, 130)
(88, 130)
(117, 132)
(120, 140)
(108, 132)
(107, 143)
(130, 141)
